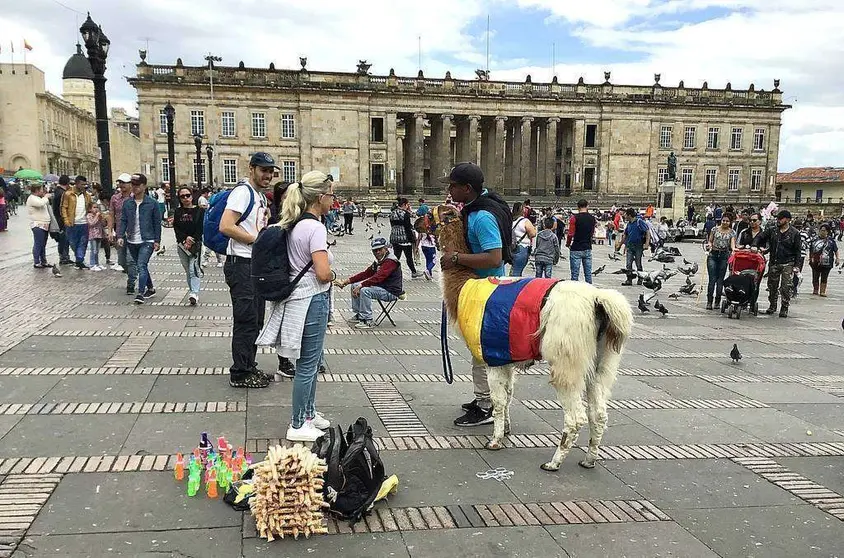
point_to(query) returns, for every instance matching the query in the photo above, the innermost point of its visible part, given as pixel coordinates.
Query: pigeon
(161, 251)
(599, 270)
(688, 280)
(662, 309)
(735, 354)
(332, 243)
(621, 271)
(687, 262)
(615, 256)
(642, 306)
(675, 296)
(56, 271)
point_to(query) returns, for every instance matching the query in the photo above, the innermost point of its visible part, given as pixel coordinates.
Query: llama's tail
(616, 318)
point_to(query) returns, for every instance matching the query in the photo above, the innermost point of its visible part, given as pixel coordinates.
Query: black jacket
(490, 201)
(57, 204)
(783, 247)
(188, 222)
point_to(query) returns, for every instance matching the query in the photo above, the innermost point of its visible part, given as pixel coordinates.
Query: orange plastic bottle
(211, 484)
(180, 467)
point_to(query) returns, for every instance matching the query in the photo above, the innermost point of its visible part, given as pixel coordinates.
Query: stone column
(579, 137)
(440, 145)
(541, 157)
(532, 159)
(550, 156)
(521, 154)
(413, 152)
(391, 167)
(487, 131)
(471, 154)
(497, 153)
(511, 171)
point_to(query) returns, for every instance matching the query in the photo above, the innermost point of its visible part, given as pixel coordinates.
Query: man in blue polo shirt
(635, 239)
(487, 219)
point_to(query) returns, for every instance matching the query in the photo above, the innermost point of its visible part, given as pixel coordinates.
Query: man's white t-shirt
(135, 236)
(238, 201)
(79, 215)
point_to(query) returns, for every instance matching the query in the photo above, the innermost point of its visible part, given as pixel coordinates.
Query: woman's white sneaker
(319, 421)
(306, 433)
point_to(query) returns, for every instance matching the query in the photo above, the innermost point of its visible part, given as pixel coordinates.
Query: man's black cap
(465, 173)
(261, 159)
(784, 214)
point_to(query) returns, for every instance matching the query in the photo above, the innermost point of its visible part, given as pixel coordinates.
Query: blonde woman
(296, 326)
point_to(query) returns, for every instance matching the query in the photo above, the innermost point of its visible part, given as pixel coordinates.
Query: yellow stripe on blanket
(470, 312)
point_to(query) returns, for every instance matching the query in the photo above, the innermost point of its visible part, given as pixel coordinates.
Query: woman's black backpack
(271, 266)
(355, 470)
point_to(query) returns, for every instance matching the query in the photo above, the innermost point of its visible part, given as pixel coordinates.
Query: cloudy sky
(740, 41)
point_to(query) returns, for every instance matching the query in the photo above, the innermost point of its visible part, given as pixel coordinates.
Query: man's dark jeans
(247, 315)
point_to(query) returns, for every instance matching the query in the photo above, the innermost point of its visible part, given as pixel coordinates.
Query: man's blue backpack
(211, 236)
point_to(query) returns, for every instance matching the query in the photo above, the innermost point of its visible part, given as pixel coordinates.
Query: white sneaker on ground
(320, 421)
(117, 267)
(96, 268)
(193, 299)
(306, 433)
(219, 264)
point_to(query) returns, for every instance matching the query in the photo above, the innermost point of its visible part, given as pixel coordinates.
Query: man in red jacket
(381, 281)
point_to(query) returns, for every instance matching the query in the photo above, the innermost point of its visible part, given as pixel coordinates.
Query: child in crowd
(547, 251)
(429, 248)
(96, 232)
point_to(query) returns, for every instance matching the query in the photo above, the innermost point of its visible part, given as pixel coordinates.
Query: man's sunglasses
(185, 195)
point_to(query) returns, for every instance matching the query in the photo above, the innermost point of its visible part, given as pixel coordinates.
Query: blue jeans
(634, 254)
(191, 265)
(716, 269)
(313, 337)
(430, 254)
(77, 238)
(575, 258)
(362, 305)
(94, 252)
(39, 246)
(544, 269)
(520, 259)
(141, 253)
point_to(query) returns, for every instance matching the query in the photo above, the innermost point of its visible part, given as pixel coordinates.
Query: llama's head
(450, 230)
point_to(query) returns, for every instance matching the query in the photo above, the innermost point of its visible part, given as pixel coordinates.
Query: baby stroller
(741, 288)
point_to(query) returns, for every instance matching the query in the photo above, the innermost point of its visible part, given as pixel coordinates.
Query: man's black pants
(348, 218)
(247, 315)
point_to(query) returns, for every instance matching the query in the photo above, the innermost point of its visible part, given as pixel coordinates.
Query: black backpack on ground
(271, 266)
(355, 470)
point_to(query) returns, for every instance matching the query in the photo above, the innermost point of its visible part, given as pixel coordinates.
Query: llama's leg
(575, 418)
(511, 384)
(498, 381)
(598, 393)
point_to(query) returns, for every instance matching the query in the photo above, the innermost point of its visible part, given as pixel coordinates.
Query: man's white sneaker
(117, 267)
(193, 298)
(320, 421)
(306, 433)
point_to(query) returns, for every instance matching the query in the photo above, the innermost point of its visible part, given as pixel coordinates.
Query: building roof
(77, 66)
(812, 175)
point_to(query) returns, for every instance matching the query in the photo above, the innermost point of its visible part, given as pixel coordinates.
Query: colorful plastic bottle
(205, 445)
(194, 477)
(180, 467)
(211, 484)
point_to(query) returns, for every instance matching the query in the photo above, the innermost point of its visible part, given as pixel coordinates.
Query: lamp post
(170, 114)
(97, 44)
(197, 141)
(209, 150)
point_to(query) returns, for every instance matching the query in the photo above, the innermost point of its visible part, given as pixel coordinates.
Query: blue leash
(448, 373)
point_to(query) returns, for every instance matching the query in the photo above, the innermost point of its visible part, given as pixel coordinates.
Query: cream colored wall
(830, 190)
(125, 151)
(21, 133)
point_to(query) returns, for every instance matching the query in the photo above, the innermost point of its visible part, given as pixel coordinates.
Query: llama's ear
(444, 212)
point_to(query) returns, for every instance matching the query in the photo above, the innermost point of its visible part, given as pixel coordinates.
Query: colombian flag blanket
(499, 317)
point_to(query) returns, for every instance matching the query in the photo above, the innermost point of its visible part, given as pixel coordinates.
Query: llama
(580, 330)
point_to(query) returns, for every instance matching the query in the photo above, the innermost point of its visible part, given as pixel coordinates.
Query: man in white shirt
(246, 214)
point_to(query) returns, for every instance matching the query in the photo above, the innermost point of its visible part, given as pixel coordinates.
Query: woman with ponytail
(296, 326)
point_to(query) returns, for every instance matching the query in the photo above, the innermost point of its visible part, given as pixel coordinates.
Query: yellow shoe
(390, 486)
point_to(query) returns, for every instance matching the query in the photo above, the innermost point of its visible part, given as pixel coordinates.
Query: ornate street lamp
(197, 141)
(170, 115)
(209, 150)
(97, 45)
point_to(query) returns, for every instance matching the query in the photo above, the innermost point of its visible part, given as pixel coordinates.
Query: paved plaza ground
(702, 458)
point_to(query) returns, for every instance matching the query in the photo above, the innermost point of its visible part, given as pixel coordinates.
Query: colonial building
(812, 185)
(389, 134)
(53, 134)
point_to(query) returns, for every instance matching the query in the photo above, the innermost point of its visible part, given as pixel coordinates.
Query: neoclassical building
(389, 134)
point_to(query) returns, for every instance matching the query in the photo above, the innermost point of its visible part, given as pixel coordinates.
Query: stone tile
(98, 503)
(219, 357)
(819, 415)
(272, 421)
(627, 387)
(87, 389)
(630, 540)
(53, 343)
(195, 388)
(46, 436)
(24, 389)
(772, 425)
(698, 483)
(440, 394)
(368, 544)
(178, 345)
(514, 542)
(781, 392)
(330, 394)
(802, 531)
(163, 434)
(690, 388)
(25, 358)
(8, 422)
(422, 473)
(363, 364)
(825, 471)
(440, 421)
(690, 426)
(571, 482)
(130, 324)
(220, 541)
(433, 364)
(85, 324)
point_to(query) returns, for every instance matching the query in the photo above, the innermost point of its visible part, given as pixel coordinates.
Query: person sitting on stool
(381, 281)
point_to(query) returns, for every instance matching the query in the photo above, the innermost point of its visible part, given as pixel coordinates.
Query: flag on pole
(26, 45)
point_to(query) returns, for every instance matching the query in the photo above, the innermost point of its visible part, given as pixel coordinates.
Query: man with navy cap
(785, 249)
(380, 281)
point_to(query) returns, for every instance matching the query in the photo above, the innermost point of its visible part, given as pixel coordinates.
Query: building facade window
(227, 124)
(376, 178)
(229, 171)
(162, 121)
(288, 171)
(197, 123)
(712, 138)
(165, 169)
(735, 138)
(377, 130)
(689, 137)
(288, 126)
(711, 180)
(661, 175)
(201, 168)
(687, 178)
(591, 135)
(259, 125)
(665, 134)
(759, 139)
(589, 178)
(756, 180)
(734, 180)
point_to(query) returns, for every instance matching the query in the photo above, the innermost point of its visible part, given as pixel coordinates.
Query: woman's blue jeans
(305, 381)
(191, 265)
(716, 268)
(520, 260)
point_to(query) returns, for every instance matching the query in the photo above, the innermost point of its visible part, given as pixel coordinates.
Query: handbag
(516, 245)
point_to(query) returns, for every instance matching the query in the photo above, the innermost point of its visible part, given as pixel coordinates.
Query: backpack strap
(246, 213)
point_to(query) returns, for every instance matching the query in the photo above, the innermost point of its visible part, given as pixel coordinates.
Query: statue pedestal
(671, 201)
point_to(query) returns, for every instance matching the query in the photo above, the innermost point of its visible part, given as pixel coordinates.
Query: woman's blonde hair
(301, 195)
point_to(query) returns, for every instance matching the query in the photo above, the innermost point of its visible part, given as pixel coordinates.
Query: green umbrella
(28, 174)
